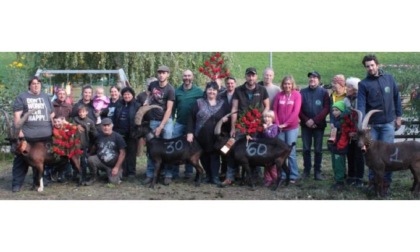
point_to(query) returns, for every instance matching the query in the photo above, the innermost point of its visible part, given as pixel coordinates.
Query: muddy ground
(185, 190)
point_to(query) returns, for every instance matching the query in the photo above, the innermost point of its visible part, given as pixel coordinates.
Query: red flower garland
(250, 122)
(65, 141)
(348, 125)
(215, 67)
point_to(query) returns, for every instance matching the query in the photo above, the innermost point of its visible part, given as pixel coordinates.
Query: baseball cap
(314, 73)
(106, 121)
(163, 68)
(251, 70)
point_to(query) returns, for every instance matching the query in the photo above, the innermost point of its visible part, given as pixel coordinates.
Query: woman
(206, 112)
(355, 161)
(115, 98)
(286, 106)
(61, 106)
(124, 124)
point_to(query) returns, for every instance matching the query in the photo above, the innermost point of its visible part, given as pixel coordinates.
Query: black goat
(168, 151)
(37, 154)
(260, 152)
(383, 157)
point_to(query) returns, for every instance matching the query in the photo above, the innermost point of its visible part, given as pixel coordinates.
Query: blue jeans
(167, 134)
(179, 130)
(289, 137)
(382, 132)
(307, 136)
(232, 167)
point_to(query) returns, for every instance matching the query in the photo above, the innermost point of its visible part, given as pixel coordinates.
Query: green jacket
(184, 101)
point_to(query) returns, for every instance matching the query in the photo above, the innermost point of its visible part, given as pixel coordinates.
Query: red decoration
(215, 67)
(348, 125)
(250, 121)
(65, 142)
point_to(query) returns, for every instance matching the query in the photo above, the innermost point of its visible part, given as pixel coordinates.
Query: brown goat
(36, 154)
(384, 157)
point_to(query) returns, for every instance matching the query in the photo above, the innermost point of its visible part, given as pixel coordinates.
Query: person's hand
(310, 123)
(114, 171)
(190, 137)
(232, 133)
(398, 123)
(158, 131)
(80, 128)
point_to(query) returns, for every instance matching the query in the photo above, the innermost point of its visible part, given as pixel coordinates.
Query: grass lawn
(327, 64)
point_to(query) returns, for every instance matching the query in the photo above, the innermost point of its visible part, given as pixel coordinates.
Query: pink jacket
(287, 109)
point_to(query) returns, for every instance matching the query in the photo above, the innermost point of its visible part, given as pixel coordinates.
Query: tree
(137, 65)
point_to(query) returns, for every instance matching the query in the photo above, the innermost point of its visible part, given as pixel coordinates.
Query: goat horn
(23, 119)
(9, 126)
(142, 111)
(367, 117)
(218, 126)
(359, 118)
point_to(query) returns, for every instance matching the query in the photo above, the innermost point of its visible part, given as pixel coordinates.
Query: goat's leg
(156, 173)
(415, 189)
(281, 165)
(199, 171)
(249, 175)
(379, 183)
(75, 161)
(38, 182)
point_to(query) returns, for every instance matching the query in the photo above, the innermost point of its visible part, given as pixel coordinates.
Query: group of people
(106, 125)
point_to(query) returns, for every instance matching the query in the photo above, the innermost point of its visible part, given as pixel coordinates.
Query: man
(248, 94)
(228, 166)
(38, 127)
(267, 82)
(380, 91)
(161, 93)
(315, 108)
(185, 97)
(110, 154)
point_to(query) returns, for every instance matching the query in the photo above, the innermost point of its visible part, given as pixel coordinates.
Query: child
(53, 173)
(87, 134)
(100, 102)
(270, 131)
(345, 125)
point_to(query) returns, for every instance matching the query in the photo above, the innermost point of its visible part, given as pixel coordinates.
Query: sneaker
(188, 176)
(216, 181)
(206, 180)
(338, 186)
(167, 181)
(267, 183)
(147, 181)
(16, 188)
(318, 176)
(305, 175)
(226, 182)
(357, 184)
(131, 178)
(292, 181)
